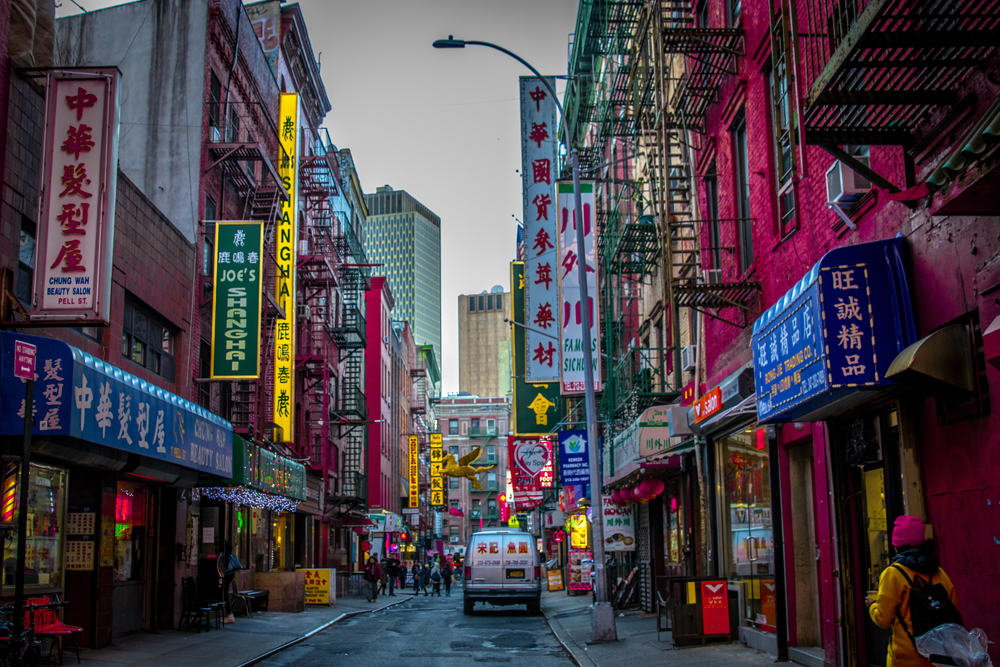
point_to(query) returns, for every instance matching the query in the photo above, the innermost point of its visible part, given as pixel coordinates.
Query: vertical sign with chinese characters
(537, 406)
(572, 335)
(414, 472)
(437, 468)
(236, 300)
(76, 211)
(847, 317)
(538, 169)
(285, 249)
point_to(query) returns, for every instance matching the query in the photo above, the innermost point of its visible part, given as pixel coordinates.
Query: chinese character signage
(236, 300)
(285, 251)
(437, 471)
(538, 171)
(528, 459)
(574, 466)
(538, 407)
(76, 217)
(572, 336)
(79, 395)
(619, 526)
(414, 472)
(834, 333)
(318, 585)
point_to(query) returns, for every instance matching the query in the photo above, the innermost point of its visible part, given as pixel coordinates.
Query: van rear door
(485, 560)
(518, 560)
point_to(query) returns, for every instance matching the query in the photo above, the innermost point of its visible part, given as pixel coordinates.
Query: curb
(316, 631)
(579, 660)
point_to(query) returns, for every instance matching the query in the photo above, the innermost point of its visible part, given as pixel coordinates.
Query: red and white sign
(24, 360)
(707, 405)
(541, 259)
(572, 337)
(76, 218)
(528, 460)
(715, 608)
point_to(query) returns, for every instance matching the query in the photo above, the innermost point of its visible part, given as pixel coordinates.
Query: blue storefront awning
(81, 396)
(833, 334)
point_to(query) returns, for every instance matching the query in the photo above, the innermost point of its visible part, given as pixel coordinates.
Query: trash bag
(952, 644)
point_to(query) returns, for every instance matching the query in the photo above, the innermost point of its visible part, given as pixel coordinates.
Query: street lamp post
(603, 619)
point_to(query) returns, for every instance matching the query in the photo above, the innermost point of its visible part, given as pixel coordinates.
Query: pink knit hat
(907, 530)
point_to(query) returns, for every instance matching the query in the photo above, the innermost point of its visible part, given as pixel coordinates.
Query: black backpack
(929, 606)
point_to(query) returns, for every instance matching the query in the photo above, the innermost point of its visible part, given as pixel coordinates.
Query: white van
(502, 568)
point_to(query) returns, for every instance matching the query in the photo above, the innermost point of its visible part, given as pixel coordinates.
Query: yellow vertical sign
(437, 470)
(284, 289)
(414, 476)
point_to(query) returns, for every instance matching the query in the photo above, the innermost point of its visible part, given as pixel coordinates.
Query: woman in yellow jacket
(893, 601)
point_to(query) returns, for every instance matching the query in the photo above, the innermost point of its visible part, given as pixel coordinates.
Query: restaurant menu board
(555, 580)
(579, 572)
(80, 523)
(80, 554)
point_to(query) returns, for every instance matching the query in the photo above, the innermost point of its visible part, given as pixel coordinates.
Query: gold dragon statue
(462, 467)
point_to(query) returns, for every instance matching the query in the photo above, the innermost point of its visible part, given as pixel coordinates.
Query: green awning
(985, 134)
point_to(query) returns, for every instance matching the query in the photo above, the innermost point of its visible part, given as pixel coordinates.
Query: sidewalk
(236, 644)
(569, 618)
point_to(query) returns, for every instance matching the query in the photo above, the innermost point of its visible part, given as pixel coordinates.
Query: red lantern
(636, 494)
(658, 487)
(616, 497)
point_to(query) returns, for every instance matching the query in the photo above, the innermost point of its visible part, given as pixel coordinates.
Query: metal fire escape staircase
(246, 152)
(350, 412)
(704, 57)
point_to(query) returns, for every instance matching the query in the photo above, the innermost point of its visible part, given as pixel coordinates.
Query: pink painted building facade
(383, 485)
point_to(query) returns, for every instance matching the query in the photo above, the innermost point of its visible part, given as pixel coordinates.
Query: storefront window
(131, 529)
(44, 545)
(746, 541)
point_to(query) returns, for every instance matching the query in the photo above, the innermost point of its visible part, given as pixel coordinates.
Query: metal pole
(22, 509)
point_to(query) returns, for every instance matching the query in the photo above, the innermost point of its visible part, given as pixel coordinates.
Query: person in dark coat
(392, 572)
(425, 578)
(415, 571)
(446, 574)
(373, 575)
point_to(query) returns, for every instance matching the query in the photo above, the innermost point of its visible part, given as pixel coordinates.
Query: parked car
(502, 567)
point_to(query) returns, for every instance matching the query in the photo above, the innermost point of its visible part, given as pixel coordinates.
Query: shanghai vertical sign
(541, 259)
(239, 247)
(414, 473)
(285, 249)
(76, 208)
(572, 336)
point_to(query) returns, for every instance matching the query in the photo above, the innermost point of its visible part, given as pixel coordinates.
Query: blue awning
(834, 333)
(81, 396)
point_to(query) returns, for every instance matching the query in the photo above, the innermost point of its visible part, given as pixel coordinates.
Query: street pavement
(236, 644)
(569, 618)
(431, 631)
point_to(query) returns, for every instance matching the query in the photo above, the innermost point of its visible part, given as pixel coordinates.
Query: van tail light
(538, 572)
(468, 572)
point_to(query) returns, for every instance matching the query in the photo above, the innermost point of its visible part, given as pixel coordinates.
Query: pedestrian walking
(436, 580)
(425, 577)
(392, 572)
(228, 565)
(914, 594)
(373, 575)
(446, 575)
(415, 571)
(384, 579)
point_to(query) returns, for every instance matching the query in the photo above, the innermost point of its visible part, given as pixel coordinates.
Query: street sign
(24, 360)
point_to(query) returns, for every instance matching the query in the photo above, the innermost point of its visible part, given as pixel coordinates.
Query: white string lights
(241, 495)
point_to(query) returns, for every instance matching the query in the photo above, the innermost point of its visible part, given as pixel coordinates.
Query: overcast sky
(441, 124)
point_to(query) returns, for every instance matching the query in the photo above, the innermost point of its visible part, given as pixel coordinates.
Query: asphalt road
(431, 631)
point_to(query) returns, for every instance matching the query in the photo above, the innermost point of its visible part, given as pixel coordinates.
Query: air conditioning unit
(689, 357)
(454, 539)
(844, 186)
(302, 311)
(303, 246)
(711, 276)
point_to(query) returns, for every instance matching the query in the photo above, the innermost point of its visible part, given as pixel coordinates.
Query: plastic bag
(965, 648)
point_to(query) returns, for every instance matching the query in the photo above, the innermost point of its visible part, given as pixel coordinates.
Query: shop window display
(45, 538)
(131, 528)
(745, 526)
(673, 529)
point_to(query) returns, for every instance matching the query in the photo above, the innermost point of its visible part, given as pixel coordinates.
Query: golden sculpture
(462, 467)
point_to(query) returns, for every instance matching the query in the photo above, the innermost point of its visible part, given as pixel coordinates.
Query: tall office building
(484, 343)
(404, 236)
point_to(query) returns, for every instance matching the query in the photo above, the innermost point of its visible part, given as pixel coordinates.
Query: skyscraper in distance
(404, 236)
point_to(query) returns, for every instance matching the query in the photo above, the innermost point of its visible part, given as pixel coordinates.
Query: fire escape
(243, 144)
(690, 63)
(350, 412)
(317, 355)
(880, 71)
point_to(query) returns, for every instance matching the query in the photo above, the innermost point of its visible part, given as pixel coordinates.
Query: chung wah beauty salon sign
(76, 212)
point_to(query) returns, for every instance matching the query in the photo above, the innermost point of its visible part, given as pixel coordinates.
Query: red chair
(47, 624)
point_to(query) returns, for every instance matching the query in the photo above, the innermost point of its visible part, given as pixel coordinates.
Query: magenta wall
(378, 311)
